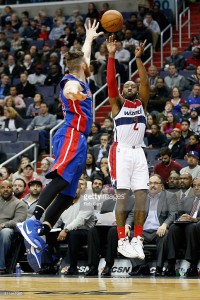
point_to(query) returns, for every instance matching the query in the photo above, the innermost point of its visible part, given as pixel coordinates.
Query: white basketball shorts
(128, 167)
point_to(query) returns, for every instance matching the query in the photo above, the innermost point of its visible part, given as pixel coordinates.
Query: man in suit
(185, 185)
(186, 233)
(101, 149)
(161, 211)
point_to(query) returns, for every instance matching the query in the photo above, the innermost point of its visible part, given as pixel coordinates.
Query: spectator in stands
(12, 70)
(132, 21)
(193, 164)
(174, 79)
(154, 27)
(16, 41)
(34, 108)
(54, 76)
(176, 145)
(156, 139)
(194, 43)
(35, 55)
(24, 88)
(5, 174)
(176, 100)
(62, 53)
(151, 119)
(68, 37)
(59, 15)
(3, 41)
(176, 59)
(94, 136)
(23, 162)
(107, 126)
(194, 144)
(34, 31)
(58, 30)
(185, 131)
(193, 62)
(102, 171)
(152, 75)
(92, 13)
(19, 188)
(166, 165)
(90, 165)
(102, 149)
(46, 164)
(129, 42)
(184, 113)
(4, 55)
(186, 235)
(37, 78)
(4, 86)
(81, 33)
(43, 19)
(168, 126)
(43, 123)
(18, 101)
(159, 17)
(100, 235)
(13, 120)
(155, 103)
(100, 55)
(194, 99)
(194, 121)
(194, 78)
(162, 211)
(173, 181)
(9, 102)
(44, 33)
(25, 30)
(8, 31)
(6, 15)
(12, 212)
(72, 18)
(31, 199)
(162, 117)
(56, 109)
(142, 32)
(185, 185)
(27, 66)
(15, 21)
(122, 54)
(77, 220)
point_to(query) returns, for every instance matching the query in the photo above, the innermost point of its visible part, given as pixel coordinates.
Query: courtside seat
(8, 136)
(13, 257)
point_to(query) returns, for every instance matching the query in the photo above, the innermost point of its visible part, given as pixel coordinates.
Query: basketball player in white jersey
(127, 161)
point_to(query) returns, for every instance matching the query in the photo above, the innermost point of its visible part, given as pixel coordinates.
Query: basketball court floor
(62, 287)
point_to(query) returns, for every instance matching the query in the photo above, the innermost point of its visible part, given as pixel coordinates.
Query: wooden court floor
(58, 287)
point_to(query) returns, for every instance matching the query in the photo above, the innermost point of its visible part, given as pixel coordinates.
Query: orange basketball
(112, 21)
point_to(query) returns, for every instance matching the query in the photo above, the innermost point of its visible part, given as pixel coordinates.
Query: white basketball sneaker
(125, 248)
(137, 245)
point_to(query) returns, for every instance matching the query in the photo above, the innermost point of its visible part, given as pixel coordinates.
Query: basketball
(112, 21)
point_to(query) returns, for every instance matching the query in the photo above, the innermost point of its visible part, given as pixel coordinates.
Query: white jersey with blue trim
(130, 124)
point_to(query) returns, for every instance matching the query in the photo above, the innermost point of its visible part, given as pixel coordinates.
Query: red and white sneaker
(125, 248)
(137, 245)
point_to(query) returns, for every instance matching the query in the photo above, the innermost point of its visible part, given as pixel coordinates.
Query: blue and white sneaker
(30, 230)
(34, 256)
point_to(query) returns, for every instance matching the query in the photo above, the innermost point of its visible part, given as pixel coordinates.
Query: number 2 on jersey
(135, 126)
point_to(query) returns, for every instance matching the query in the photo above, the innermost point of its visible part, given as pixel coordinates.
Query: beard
(129, 96)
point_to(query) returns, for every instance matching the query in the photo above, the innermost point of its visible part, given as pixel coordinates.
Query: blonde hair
(12, 112)
(6, 102)
(74, 59)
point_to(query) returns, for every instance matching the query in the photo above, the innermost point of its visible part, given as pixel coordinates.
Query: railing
(51, 136)
(178, 4)
(20, 153)
(105, 100)
(162, 43)
(187, 10)
(132, 61)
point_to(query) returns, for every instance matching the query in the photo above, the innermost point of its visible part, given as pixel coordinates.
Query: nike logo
(28, 231)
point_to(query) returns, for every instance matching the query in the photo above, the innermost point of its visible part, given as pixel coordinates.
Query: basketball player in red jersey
(127, 161)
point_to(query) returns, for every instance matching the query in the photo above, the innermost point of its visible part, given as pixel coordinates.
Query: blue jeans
(6, 235)
(43, 137)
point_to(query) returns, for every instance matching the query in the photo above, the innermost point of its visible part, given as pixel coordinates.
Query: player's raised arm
(114, 97)
(144, 83)
(91, 34)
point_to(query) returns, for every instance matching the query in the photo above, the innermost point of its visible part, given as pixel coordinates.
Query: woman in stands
(9, 102)
(168, 126)
(5, 174)
(194, 78)
(194, 43)
(193, 145)
(23, 162)
(151, 120)
(13, 120)
(94, 136)
(176, 100)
